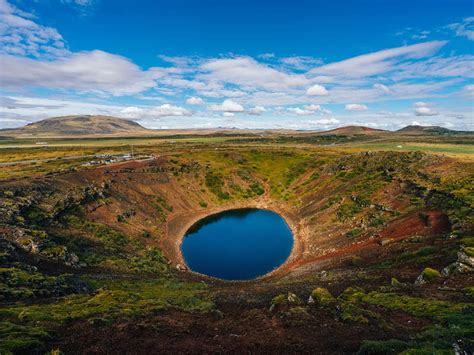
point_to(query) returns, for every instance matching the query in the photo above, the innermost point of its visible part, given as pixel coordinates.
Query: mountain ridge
(102, 125)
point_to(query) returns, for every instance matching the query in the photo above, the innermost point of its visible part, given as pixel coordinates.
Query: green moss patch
(418, 307)
(322, 297)
(430, 274)
(16, 338)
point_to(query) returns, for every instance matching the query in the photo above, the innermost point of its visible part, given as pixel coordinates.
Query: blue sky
(248, 64)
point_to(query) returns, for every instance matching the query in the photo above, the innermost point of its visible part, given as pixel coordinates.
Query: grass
(457, 329)
(450, 149)
(17, 284)
(25, 326)
(453, 322)
(20, 338)
(114, 250)
(433, 309)
(118, 298)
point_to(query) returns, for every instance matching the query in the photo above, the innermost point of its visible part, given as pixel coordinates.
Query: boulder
(464, 264)
(466, 256)
(427, 275)
(181, 267)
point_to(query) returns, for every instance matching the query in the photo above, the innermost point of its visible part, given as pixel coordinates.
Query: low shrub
(322, 297)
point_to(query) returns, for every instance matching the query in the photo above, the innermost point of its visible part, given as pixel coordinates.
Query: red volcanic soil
(427, 223)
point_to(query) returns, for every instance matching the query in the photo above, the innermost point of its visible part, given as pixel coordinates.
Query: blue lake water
(237, 244)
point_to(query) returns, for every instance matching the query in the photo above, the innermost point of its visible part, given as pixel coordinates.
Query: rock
(464, 264)
(466, 256)
(383, 242)
(72, 260)
(293, 299)
(427, 275)
(180, 267)
(456, 268)
(452, 236)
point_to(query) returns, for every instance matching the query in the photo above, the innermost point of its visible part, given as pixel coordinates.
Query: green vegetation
(20, 338)
(418, 307)
(456, 329)
(430, 274)
(348, 210)
(357, 261)
(111, 299)
(115, 251)
(215, 183)
(322, 297)
(417, 256)
(18, 284)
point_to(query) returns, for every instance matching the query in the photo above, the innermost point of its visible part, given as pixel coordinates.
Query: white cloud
(79, 2)
(437, 67)
(165, 110)
(249, 74)
(132, 111)
(228, 114)
(317, 90)
(95, 71)
(356, 107)
(19, 35)
(424, 109)
(301, 62)
(266, 55)
(378, 62)
(464, 28)
(327, 121)
(421, 104)
(418, 123)
(382, 87)
(257, 110)
(308, 110)
(299, 111)
(227, 105)
(168, 110)
(194, 101)
(313, 107)
(468, 91)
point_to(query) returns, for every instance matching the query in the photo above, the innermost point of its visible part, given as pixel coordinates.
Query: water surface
(237, 244)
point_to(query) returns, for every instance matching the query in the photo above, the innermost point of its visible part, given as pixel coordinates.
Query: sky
(299, 64)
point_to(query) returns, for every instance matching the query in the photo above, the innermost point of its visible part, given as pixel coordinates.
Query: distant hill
(428, 130)
(85, 125)
(108, 126)
(354, 130)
